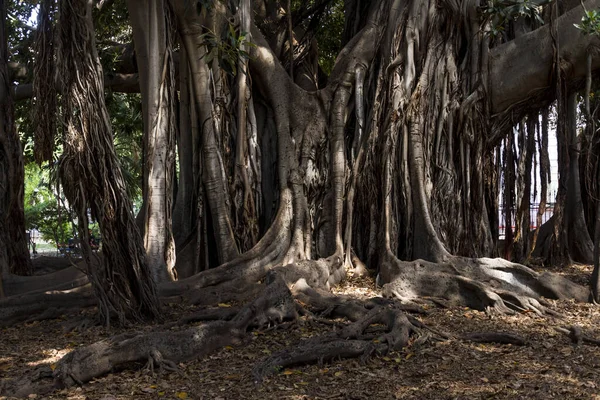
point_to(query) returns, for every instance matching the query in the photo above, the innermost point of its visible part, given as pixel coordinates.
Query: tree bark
(91, 175)
(521, 71)
(14, 258)
(152, 40)
(595, 279)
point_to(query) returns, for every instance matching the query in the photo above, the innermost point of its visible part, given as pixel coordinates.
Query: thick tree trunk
(213, 173)
(91, 175)
(595, 280)
(581, 246)
(521, 70)
(184, 214)
(14, 257)
(152, 37)
(420, 191)
(574, 241)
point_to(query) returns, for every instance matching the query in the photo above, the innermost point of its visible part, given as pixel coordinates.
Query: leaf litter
(549, 366)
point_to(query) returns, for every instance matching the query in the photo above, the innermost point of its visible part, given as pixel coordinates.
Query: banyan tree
(394, 162)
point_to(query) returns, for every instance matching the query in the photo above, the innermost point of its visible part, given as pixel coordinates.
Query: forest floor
(548, 367)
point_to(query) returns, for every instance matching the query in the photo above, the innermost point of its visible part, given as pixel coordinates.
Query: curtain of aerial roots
(524, 165)
(544, 173)
(437, 188)
(247, 163)
(43, 85)
(91, 175)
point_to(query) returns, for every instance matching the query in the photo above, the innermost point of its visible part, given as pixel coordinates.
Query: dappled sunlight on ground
(548, 367)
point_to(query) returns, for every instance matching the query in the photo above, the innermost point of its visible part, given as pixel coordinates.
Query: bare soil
(548, 367)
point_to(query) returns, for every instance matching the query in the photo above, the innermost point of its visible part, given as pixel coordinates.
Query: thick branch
(522, 68)
(124, 83)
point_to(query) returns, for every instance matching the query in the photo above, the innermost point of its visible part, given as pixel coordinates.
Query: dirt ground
(548, 367)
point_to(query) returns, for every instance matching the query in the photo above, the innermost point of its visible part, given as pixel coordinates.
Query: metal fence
(533, 212)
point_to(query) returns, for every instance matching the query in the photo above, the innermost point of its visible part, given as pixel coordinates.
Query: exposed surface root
(156, 360)
(315, 352)
(64, 279)
(164, 348)
(494, 337)
(577, 336)
(493, 285)
(41, 306)
(376, 326)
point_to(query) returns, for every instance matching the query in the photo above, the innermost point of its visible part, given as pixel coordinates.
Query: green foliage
(227, 48)
(112, 24)
(44, 206)
(329, 34)
(500, 12)
(590, 23)
(20, 28)
(125, 112)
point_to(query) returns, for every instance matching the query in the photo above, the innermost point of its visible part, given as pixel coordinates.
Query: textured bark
(14, 258)
(184, 214)
(595, 279)
(573, 240)
(523, 217)
(424, 148)
(91, 175)
(153, 43)
(581, 246)
(492, 285)
(213, 174)
(517, 79)
(43, 85)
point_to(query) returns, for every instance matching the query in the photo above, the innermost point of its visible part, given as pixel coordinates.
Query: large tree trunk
(153, 32)
(91, 175)
(213, 168)
(14, 257)
(581, 246)
(413, 181)
(184, 214)
(573, 241)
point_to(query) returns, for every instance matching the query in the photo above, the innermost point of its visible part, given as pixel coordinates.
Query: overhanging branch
(124, 83)
(522, 69)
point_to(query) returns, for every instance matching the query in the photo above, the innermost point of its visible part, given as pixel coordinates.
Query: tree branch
(124, 83)
(522, 69)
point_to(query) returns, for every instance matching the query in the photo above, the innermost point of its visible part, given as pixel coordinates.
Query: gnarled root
(492, 285)
(156, 359)
(165, 348)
